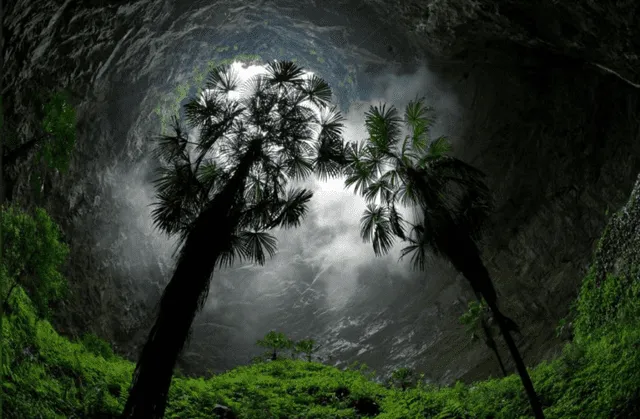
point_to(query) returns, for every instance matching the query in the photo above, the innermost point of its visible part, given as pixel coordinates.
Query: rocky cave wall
(556, 134)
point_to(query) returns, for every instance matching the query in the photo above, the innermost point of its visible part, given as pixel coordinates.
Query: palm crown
(449, 198)
(221, 192)
(400, 164)
(283, 120)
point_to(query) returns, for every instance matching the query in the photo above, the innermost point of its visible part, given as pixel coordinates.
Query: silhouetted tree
(275, 341)
(449, 198)
(222, 191)
(403, 378)
(307, 347)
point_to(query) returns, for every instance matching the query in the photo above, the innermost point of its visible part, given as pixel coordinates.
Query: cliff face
(550, 113)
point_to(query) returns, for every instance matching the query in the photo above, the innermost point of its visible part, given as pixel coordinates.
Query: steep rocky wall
(556, 135)
(619, 249)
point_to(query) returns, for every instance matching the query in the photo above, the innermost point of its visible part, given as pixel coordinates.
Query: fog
(319, 263)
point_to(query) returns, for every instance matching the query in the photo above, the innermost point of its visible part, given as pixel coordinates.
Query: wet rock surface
(556, 134)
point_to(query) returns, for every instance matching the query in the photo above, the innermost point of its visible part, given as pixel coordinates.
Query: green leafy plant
(32, 256)
(53, 141)
(403, 378)
(275, 342)
(307, 347)
(97, 346)
(60, 123)
(478, 322)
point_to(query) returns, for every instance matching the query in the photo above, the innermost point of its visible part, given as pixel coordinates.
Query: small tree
(53, 141)
(449, 198)
(403, 378)
(32, 255)
(307, 347)
(275, 341)
(478, 318)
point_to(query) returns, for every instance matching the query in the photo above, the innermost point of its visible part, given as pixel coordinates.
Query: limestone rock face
(548, 110)
(619, 249)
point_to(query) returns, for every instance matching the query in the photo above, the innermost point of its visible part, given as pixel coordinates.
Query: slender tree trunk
(491, 343)
(465, 257)
(489, 340)
(182, 299)
(520, 366)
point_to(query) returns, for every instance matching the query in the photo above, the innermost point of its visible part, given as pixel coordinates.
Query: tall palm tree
(449, 199)
(224, 190)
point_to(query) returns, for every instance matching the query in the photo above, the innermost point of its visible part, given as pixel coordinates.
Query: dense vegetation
(597, 375)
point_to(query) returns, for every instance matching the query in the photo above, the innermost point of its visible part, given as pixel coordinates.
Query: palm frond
(170, 148)
(397, 222)
(222, 79)
(418, 248)
(329, 159)
(439, 147)
(255, 88)
(203, 109)
(210, 174)
(383, 126)
(234, 250)
(214, 130)
(256, 243)
(317, 90)
(416, 117)
(284, 72)
(331, 123)
(359, 170)
(293, 209)
(377, 189)
(298, 167)
(170, 214)
(375, 227)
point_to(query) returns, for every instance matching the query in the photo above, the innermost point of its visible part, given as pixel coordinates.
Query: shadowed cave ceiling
(543, 98)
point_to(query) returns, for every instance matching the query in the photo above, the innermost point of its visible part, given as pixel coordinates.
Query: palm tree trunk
(465, 257)
(179, 304)
(489, 340)
(491, 343)
(520, 366)
(182, 299)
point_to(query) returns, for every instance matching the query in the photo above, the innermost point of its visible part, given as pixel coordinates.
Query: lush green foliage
(48, 376)
(596, 376)
(32, 256)
(97, 346)
(403, 378)
(307, 347)
(275, 342)
(60, 122)
(473, 317)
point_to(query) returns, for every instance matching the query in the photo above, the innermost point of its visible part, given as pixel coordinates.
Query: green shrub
(32, 256)
(97, 346)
